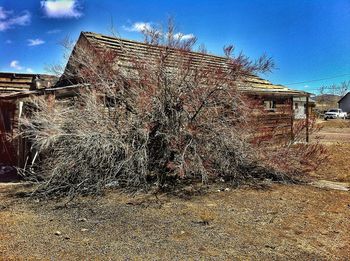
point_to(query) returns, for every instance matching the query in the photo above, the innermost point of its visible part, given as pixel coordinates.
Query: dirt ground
(338, 167)
(273, 222)
(334, 131)
(335, 135)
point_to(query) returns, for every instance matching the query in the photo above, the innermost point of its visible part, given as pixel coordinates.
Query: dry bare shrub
(292, 155)
(82, 149)
(155, 120)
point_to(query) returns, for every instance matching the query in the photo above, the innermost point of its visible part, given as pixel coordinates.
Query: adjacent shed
(344, 103)
(13, 86)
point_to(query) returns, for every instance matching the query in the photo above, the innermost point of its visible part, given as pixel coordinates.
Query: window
(270, 105)
(296, 106)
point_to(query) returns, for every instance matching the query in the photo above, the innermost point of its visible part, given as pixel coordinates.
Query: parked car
(335, 114)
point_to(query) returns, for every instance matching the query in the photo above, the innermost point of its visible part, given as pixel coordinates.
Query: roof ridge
(28, 74)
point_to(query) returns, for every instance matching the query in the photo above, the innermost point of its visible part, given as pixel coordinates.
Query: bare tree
(344, 88)
(329, 95)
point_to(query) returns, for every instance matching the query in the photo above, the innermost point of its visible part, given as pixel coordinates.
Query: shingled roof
(16, 85)
(19, 82)
(128, 49)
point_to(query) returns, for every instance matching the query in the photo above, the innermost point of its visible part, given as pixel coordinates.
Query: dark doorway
(8, 155)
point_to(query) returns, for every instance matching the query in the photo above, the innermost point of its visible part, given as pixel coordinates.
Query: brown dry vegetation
(338, 166)
(334, 124)
(334, 131)
(335, 135)
(280, 222)
(272, 221)
(138, 123)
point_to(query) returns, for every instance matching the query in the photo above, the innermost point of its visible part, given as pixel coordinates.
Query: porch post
(307, 118)
(291, 120)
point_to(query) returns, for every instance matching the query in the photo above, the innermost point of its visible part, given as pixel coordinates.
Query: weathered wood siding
(275, 123)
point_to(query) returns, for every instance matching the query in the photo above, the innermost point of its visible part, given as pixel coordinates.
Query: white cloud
(61, 8)
(34, 42)
(138, 27)
(183, 37)
(54, 31)
(4, 13)
(143, 26)
(8, 20)
(15, 64)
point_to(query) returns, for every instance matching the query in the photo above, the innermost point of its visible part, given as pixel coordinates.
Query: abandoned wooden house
(280, 101)
(277, 99)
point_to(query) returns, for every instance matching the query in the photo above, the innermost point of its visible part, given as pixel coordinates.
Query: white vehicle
(335, 114)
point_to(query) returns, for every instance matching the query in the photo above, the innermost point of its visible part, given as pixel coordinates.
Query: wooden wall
(276, 122)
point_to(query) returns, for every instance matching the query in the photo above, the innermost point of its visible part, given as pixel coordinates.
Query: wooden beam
(307, 118)
(291, 120)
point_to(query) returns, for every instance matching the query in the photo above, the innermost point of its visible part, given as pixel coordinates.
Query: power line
(317, 80)
(317, 89)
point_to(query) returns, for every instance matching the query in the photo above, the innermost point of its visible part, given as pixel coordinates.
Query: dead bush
(150, 124)
(83, 150)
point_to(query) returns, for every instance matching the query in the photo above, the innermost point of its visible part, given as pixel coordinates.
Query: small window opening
(270, 105)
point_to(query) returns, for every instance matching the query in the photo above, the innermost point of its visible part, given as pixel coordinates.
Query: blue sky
(308, 39)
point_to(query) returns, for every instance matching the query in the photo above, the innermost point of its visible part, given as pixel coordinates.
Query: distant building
(344, 103)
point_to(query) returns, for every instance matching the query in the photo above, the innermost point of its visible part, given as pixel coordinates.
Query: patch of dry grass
(337, 167)
(336, 123)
